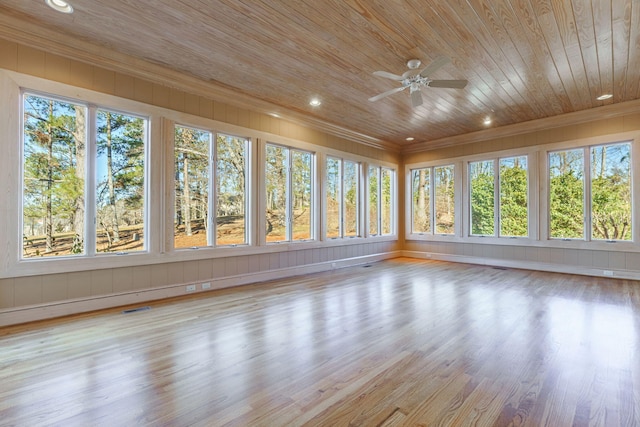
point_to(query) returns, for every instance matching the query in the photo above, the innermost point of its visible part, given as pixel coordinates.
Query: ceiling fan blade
(416, 98)
(454, 84)
(387, 93)
(435, 65)
(388, 75)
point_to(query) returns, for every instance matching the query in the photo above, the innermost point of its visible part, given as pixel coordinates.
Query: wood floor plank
(403, 342)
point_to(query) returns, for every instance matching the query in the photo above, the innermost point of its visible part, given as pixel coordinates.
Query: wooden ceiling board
(525, 60)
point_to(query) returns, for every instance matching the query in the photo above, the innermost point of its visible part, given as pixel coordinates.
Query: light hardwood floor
(400, 342)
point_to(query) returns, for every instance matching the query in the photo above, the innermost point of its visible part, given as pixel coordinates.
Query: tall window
(514, 212)
(433, 200)
(289, 190)
(482, 199)
(192, 171)
(342, 196)
(444, 199)
(603, 173)
(421, 208)
(53, 180)
(55, 216)
(380, 200)
(231, 166)
(120, 182)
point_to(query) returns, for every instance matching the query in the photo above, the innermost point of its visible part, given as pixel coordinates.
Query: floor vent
(133, 310)
(499, 268)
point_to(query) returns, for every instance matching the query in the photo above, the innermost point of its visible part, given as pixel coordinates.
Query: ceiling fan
(415, 79)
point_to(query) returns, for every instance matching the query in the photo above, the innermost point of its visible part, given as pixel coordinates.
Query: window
(432, 200)
(514, 207)
(55, 214)
(505, 187)
(444, 200)
(421, 200)
(119, 182)
(231, 160)
(53, 180)
(380, 200)
(482, 198)
(193, 184)
(591, 184)
(342, 196)
(289, 191)
(192, 170)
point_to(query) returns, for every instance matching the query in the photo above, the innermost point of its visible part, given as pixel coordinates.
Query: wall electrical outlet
(191, 288)
(206, 285)
(608, 273)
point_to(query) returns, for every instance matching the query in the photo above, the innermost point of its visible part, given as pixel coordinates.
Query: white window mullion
(496, 197)
(288, 196)
(212, 203)
(90, 187)
(586, 164)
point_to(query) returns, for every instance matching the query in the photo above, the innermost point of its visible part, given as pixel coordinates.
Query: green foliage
(513, 201)
(611, 192)
(567, 207)
(53, 194)
(482, 198)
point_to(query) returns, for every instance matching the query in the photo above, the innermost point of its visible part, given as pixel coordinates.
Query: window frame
(366, 168)
(158, 184)
(90, 176)
(289, 188)
(212, 187)
(497, 197)
(361, 209)
(456, 165)
(587, 195)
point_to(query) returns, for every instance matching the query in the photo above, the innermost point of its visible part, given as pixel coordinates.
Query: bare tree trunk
(110, 183)
(186, 202)
(422, 205)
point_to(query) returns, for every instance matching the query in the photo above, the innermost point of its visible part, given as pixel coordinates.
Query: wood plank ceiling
(524, 59)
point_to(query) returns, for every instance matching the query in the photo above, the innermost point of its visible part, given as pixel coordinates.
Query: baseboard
(33, 313)
(526, 265)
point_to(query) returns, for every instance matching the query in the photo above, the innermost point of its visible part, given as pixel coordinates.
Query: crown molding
(567, 119)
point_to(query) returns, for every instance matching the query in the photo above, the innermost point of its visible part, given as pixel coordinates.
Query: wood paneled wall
(59, 289)
(570, 260)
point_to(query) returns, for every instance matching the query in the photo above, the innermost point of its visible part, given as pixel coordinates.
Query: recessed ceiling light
(59, 5)
(605, 96)
(410, 138)
(487, 121)
(276, 115)
(314, 102)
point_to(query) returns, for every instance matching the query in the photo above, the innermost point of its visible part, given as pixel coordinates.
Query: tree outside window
(289, 189)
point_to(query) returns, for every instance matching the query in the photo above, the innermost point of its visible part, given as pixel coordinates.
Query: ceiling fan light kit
(416, 81)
